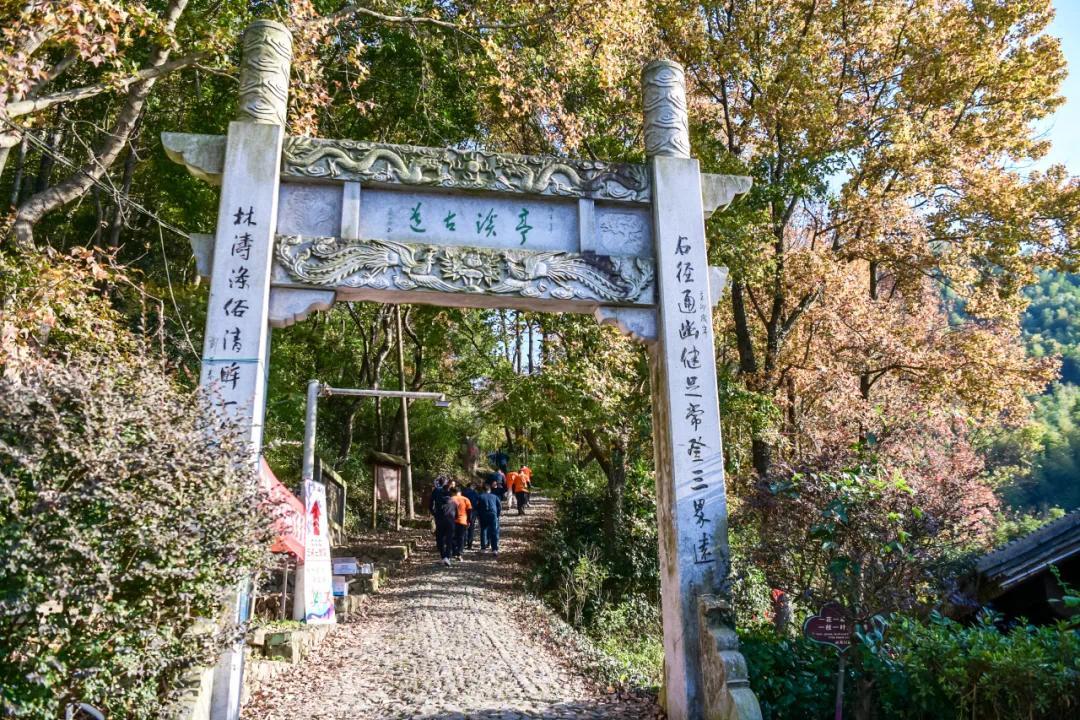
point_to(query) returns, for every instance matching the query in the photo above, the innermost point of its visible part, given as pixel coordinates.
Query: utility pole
(311, 413)
(404, 415)
(315, 390)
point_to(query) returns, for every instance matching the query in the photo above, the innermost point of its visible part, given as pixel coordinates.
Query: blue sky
(1064, 128)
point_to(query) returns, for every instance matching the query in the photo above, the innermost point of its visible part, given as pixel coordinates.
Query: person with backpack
(436, 498)
(498, 485)
(458, 509)
(488, 510)
(473, 498)
(445, 516)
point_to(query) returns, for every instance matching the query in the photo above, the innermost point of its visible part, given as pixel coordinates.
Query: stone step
(398, 552)
(345, 606)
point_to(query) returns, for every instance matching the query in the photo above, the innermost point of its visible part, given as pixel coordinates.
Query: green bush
(794, 678)
(609, 590)
(630, 633)
(124, 520)
(942, 669)
(629, 566)
(921, 670)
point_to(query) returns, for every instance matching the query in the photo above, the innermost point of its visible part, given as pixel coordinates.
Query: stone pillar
(236, 347)
(690, 492)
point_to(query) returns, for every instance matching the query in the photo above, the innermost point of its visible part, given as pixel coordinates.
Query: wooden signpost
(832, 627)
(306, 222)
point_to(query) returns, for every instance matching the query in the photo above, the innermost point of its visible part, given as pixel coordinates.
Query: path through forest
(447, 643)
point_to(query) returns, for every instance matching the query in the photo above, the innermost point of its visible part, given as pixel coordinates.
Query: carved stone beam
(376, 164)
(718, 191)
(384, 270)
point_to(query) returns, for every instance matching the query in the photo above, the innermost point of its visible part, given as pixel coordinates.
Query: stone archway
(306, 222)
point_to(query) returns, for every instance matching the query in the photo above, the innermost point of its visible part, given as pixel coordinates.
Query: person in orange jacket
(527, 472)
(461, 520)
(520, 487)
(511, 485)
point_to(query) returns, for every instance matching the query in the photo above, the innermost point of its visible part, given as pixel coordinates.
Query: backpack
(449, 510)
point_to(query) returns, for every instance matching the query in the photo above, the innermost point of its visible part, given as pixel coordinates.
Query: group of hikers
(459, 510)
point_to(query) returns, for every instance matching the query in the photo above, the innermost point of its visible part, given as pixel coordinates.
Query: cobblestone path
(446, 643)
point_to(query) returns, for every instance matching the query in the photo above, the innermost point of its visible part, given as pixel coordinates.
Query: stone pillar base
(726, 686)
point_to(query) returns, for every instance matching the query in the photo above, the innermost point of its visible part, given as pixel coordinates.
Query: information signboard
(386, 482)
(346, 566)
(831, 626)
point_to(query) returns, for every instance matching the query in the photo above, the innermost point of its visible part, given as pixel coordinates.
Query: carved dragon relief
(361, 161)
(387, 265)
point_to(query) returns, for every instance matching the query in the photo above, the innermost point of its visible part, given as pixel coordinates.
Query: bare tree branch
(25, 107)
(31, 211)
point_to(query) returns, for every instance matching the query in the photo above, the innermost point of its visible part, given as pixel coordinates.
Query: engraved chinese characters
(236, 343)
(691, 336)
(690, 476)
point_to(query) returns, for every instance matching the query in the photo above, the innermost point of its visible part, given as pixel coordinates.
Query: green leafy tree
(126, 523)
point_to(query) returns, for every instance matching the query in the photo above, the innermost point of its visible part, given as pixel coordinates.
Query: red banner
(288, 513)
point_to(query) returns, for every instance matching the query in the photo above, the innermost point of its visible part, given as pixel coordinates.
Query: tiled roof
(1033, 553)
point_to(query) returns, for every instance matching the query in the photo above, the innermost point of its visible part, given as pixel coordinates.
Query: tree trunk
(99, 215)
(614, 469)
(761, 450)
(379, 438)
(125, 188)
(347, 430)
(48, 160)
(5, 150)
(31, 211)
(504, 333)
(531, 340)
(517, 342)
(865, 382)
(615, 494)
(16, 182)
(864, 700)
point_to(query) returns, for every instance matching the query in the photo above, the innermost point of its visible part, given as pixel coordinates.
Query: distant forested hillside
(1052, 327)
(1052, 321)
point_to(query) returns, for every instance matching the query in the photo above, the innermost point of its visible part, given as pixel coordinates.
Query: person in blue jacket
(488, 508)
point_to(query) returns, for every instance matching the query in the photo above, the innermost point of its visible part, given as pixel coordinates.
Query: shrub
(630, 633)
(123, 521)
(942, 669)
(794, 678)
(921, 670)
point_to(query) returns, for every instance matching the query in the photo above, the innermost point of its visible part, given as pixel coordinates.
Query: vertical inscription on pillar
(234, 350)
(690, 463)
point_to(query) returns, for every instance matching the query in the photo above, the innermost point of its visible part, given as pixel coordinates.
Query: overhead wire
(120, 198)
(117, 195)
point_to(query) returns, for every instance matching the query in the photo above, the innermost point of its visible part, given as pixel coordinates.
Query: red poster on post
(287, 511)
